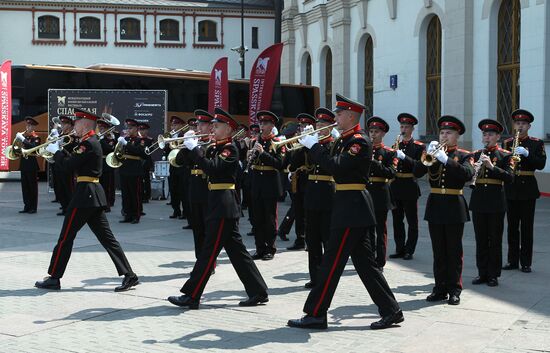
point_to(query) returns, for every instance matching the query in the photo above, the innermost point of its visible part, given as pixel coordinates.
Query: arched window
(433, 75)
(48, 27)
(308, 70)
(369, 78)
(130, 29)
(90, 28)
(208, 31)
(169, 30)
(509, 25)
(328, 78)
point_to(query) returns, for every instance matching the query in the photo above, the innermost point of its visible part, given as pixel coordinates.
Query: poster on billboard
(145, 106)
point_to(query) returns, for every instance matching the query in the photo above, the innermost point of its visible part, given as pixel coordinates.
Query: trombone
(429, 158)
(155, 146)
(292, 140)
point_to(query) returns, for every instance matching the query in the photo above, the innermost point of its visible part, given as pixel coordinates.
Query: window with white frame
(48, 27)
(130, 29)
(208, 31)
(89, 27)
(169, 30)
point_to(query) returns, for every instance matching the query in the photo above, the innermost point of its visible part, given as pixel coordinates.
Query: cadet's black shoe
(479, 280)
(125, 220)
(184, 301)
(129, 281)
(407, 256)
(454, 300)
(24, 211)
(62, 213)
(268, 256)
(309, 285)
(255, 300)
(32, 211)
(48, 283)
(297, 246)
(526, 269)
(187, 227)
(257, 256)
(134, 221)
(510, 266)
(397, 255)
(181, 216)
(436, 297)
(309, 321)
(174, 215)
(143, 213)
(53, 201)
(388, 321)
(492, 282)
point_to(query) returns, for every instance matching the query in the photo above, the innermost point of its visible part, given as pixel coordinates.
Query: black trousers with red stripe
(447, 251)
(265, 224)
(381, 238)
(65, 188)
(29, 188)
(224, 233)
(408, 209)
(197, 218)
(107, 180)
(521, 217)
(75, 219)
(357, 243)
(317, 235)
(130, 186)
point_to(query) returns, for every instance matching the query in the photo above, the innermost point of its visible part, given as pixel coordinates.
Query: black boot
(129, 281)
(184, 301)
(309, 321)
(255, 300)
(48, 283)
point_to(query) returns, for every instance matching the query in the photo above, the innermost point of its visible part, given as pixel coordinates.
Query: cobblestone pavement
(87, 316)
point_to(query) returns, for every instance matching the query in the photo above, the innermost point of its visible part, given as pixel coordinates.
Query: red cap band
(521, 117)
(349, 106)
(83, 115)
(449, 124)
(377, 124)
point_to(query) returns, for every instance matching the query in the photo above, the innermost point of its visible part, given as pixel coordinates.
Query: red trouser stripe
(138, 199)
(63, 240)
(336, 260)
(207, 270)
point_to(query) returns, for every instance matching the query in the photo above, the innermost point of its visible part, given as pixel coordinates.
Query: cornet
(155, 146)
(429, 158)
(477, 166)
(276, 144)
(176, 141)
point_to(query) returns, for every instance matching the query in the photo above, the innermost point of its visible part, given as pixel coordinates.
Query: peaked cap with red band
(131, 122)
(174, 119)
(343, 103)
(407, 118)
(30, 120)
(266, 115)
(452, 123)
(324, 114)
(82, 114)
(221, 116)
(379, 123)
(522, 115)
(304, 118)
(203, 116)
(490, 125)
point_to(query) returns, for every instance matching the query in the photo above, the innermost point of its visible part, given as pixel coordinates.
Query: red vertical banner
(5, 112)
(218, 86)
(262, 80)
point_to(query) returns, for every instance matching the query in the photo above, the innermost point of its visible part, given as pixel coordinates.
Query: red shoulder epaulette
(389, 149)
(534, 138)
(461, 150)
(419, 143)
(358, 136)
(503, 150)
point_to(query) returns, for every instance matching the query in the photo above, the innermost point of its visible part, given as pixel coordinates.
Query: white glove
(335, 133)
(274, 131)
(522, 150)
(189, 133)
(19, 136)
(432, 146)
(54, 133)
(309, 140)
(307, 129)
(122, 141)
(441, 156)
(52, 148)
(290, 177)
(282, 137)
(400, 154)
(191, 143)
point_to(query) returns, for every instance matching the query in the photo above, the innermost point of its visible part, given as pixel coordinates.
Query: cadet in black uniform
(176, 178)
(352, 222)
(29, 167)
(107, 178)
(266, 186)
(446, 208)
(249, 141)
(148, 162)
(86, 207)
(131, 173)
(382, 170)
(222, 228)
(64, 180)
(523, 193)
(405, 190)
(198, 182)
(493, 168)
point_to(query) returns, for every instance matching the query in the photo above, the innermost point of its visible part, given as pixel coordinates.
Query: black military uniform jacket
(525, 186)
(348, 162)
(382, 170)
(198, 182)
(448, 208)
(184, 170)
(296, 163)
(107, 146)
(488, 194)
(68, 149)
(85, 161)
(267, 183)
(405, 186)
(221, 170)
(29, 164)
(148, 162)
(136, 150)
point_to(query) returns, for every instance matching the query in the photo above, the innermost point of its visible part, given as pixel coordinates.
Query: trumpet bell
(11, 153)
(428, 160)
(111, 119)
(160, 141)
(172, 158)
(113, 161)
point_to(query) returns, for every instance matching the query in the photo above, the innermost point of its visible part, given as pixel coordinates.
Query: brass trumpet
(175, 142)
(15, 151)
(276, 144)
(429, 158)
(155, 146)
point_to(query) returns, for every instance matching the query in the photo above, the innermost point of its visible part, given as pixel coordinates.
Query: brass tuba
(115, 158)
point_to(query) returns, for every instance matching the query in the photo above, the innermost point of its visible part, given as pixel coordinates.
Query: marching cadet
(251, 139)
(493, 167)
(193, 126)
(198, 182)
(265, 163)
(64, 180)
(382, 170)
(352, 222)
(146, 141)
(523, 192)
(29, 167)
(448, 168)
(107, 178)
(176, 178)
(131, 173)
(222, 227)
(86, 207)
(404, 189)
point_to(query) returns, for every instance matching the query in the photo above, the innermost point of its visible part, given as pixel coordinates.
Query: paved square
(87, 316)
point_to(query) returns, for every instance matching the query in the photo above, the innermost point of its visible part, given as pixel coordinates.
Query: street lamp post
(242, 49)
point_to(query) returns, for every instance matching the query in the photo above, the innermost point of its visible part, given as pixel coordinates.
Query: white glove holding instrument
(19, 136)
(335, 133)
(122, 141)
(522, 151)
(52, 148)
(191, 143)
(309, 140)
(400, 154)
(441, 156)
(432, 146)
